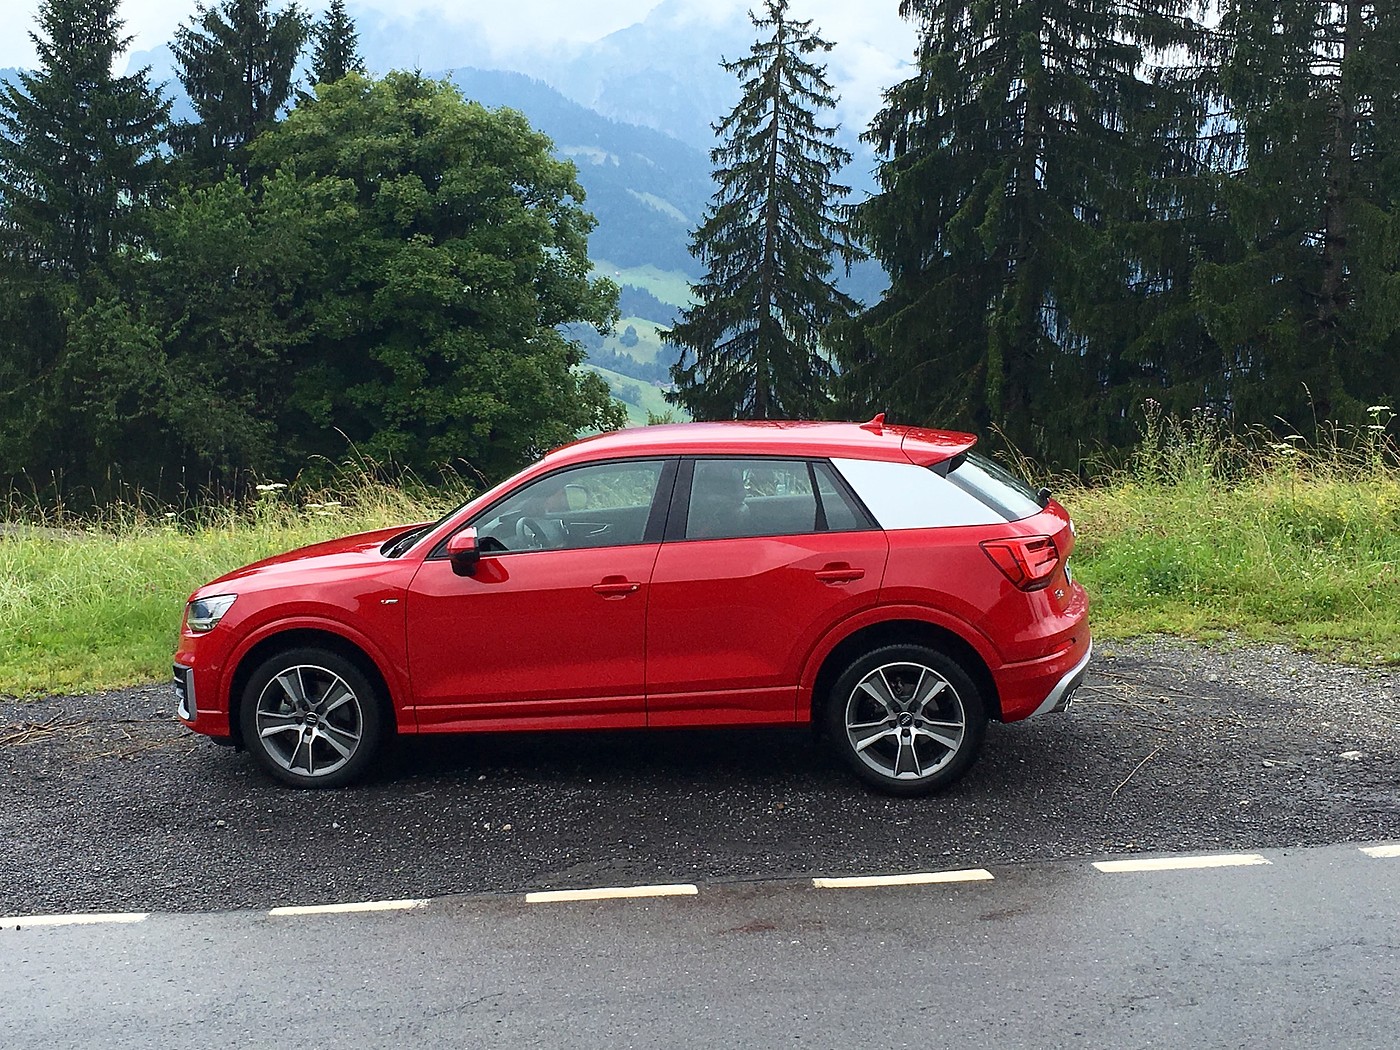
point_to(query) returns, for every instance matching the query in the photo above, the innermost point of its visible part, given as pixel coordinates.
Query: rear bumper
(1037, 687)
(1063, 694)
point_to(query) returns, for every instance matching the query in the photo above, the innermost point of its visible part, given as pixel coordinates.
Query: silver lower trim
(1060, 697)
(183, 682)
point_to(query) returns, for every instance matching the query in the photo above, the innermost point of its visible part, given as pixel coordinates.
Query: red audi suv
(884, 582)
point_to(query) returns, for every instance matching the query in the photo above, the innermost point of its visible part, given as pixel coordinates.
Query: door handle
(616, 587)
(840, 573)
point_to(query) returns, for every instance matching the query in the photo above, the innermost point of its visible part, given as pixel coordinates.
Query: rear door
(762, 557)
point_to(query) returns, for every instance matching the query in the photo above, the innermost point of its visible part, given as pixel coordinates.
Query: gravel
(109, 804)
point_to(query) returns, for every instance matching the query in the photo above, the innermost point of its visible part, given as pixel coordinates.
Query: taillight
(1027, 561)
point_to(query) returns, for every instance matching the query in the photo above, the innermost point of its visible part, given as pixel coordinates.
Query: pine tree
(78, 157)
(79, 166)
(1303, 292)
(1031, 168)
(237, 62)
(337, 46)
(751, 346)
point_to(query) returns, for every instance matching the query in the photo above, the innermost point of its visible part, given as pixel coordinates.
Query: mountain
(647, 189)
(663, 72)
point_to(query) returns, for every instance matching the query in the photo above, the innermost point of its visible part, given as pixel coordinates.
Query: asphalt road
(107, 804)
(1301, 951)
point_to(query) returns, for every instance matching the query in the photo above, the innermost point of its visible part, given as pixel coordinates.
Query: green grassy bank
(1197, 537)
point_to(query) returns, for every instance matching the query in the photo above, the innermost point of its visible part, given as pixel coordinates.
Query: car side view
(885, 583)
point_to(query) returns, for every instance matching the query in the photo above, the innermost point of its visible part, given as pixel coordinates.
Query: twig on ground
(1150, 756)
(28, 732)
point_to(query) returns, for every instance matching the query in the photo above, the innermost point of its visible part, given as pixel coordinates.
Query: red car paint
(667, 632)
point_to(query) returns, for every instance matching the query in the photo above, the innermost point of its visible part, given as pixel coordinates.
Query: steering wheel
(531, 534)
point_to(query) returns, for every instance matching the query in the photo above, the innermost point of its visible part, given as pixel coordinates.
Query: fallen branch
(1151, 755)
(28, 732)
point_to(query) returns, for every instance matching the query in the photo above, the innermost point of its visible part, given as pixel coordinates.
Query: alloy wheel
(905, 721)
(309, 720)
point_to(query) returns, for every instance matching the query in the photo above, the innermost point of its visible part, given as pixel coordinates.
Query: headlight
(204, 614)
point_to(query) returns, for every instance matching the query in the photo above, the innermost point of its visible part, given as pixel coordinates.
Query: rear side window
(907, 496)
(732, 498)
(995, 486)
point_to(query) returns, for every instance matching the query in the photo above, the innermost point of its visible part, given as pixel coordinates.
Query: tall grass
(95, 602)
(1201, 533)
(1206, 534)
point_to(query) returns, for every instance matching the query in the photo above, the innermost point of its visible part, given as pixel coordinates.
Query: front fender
(392, 666)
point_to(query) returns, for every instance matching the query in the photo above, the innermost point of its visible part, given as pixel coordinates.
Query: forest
(1088, 210)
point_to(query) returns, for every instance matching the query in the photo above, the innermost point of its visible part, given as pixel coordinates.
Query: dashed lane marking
(1392, 850)
(1218, 860)
(85, 919)
(611, 893)
(354, 906)
(918, 878)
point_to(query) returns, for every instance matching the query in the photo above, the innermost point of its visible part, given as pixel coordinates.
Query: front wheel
(907, 719)
(311, 718)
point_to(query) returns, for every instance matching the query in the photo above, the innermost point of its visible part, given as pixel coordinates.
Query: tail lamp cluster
(1027, 561)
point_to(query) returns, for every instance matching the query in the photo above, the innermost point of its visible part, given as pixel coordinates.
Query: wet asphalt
(107, 804)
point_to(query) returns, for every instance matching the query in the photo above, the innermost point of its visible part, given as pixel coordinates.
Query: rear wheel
(311, 718)
(907, 719)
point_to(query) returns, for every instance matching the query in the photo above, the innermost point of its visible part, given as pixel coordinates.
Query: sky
(873, 45)
(869, 32)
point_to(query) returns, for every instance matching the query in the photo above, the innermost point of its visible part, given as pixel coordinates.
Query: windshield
(404, 541)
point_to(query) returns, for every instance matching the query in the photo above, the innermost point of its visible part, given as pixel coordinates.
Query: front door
(550, 631)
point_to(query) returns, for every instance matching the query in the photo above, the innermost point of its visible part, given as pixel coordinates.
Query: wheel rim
(905, 721)
(309, 721)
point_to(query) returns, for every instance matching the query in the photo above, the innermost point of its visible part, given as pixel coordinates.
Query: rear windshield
(994, 485)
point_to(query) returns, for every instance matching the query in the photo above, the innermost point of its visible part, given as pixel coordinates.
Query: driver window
(603, 505)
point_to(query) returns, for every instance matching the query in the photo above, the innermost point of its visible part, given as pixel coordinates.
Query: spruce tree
(78, 157)
(237, 62)
(751, 346)
(1032, 166)
(337, 46)
(1304, 289)
(79, 166)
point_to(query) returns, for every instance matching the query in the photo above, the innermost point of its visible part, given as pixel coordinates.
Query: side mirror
(463, 550)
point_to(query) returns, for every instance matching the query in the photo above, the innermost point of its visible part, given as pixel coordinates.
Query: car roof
(872, 440)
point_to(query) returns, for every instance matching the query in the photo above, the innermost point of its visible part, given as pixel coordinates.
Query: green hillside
(638, 397)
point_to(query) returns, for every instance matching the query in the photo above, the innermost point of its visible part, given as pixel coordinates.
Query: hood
(346, 552)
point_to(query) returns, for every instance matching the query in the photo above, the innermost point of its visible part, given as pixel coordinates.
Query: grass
(1207, 536)
(652, 400)
(670, 286)
(96, 603)
(1201, 535)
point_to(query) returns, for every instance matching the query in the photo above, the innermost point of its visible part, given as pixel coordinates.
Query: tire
(907, 719)
(312, 719)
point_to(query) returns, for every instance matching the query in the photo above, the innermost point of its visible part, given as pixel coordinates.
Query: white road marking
(1393, 850)
(613, 893)
(918, 878)
(337, 909)
(81, 919)
(1219, 860)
